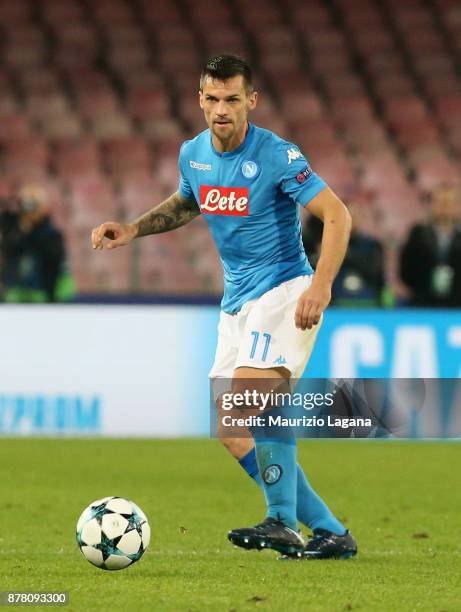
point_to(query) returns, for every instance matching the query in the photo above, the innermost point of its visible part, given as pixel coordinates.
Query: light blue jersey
(249, 198)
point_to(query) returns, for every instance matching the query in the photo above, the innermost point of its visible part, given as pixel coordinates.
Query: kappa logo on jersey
(233, 201)
(293, 155)
(199, 166)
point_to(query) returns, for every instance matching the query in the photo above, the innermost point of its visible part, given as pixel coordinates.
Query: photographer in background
(32, 248)
(430, 263)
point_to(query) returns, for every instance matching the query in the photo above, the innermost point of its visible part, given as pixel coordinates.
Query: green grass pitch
(401, 499)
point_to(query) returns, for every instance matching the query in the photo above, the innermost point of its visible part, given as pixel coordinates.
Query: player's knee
(249, 380)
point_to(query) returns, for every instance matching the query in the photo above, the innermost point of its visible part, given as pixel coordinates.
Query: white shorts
(263, 333)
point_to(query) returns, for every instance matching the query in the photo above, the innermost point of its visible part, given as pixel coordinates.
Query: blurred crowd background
(96, 97)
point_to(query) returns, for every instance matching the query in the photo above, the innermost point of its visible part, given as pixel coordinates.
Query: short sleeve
(185, 190)
(294, 174)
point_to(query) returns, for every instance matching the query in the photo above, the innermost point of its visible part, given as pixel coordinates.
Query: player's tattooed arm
(172, 213)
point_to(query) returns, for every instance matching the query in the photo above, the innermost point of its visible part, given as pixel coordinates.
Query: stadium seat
(100, 94)
(95, 105)
(8, 104)
(15, 13)
(145, 104)
(46, 105)
(67, 125)
(14, 125)
(77, 158)
(92, 201)
(138, 196)
(39, 81)
(127, 154)
(115, 124)
(27, 151)
(60, 13)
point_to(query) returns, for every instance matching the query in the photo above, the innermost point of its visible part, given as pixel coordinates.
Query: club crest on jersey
(250, 169)
(232, 201)
(293, 155)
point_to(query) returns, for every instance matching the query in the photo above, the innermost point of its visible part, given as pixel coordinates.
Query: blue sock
(277, 466)
(310, 508)
(250, 465)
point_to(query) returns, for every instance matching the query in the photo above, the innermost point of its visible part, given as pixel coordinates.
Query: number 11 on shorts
(267, 338)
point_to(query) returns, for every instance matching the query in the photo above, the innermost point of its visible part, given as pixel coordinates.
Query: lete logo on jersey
(232, 201)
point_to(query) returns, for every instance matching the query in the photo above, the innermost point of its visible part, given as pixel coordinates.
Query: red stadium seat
(148, 104)
(8, 104)
(47, 105)
(77, 157)
(115, 124)
(102, 271)
(127, 155)
(138, 196)
(393, 84)
(76, 33)
(20, 56)
(366, 138)
(25, 35)
(15, 13)
(91, 199)
(112, 12)
(439, 85)
(129, 56)
(436, 170)
(26, 151)
(67, 125)
(351, 110)
(39, 81)
(14, 125)
(154, 19)
(202, 15)
(418, 134)
(303, 105)
(167, 131)
(83, 80)
(75, 56)
(96, 105)
(407, 109)
(102, 93)
(123, 34)
(341, 85)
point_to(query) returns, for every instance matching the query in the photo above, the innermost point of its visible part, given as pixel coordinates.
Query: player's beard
(225, 133)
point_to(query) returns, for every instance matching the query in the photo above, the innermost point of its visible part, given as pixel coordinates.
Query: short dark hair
(223, 67)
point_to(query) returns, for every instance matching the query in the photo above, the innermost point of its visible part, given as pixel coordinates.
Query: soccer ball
(113, 533)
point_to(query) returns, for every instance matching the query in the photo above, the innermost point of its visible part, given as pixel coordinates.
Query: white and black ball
(113, 533)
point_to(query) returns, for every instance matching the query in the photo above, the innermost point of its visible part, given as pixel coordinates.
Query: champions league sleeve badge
(250, 169)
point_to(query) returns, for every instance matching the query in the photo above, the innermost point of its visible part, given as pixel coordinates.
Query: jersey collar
(239, 149)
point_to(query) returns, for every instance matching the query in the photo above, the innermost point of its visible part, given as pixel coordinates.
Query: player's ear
(200, 99)
(252, 100)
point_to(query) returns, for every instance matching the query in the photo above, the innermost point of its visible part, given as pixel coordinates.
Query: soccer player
(248, 183)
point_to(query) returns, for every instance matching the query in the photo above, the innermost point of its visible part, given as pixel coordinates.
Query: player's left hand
(311, 304)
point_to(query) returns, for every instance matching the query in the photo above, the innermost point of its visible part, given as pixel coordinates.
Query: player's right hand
(118, 234)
